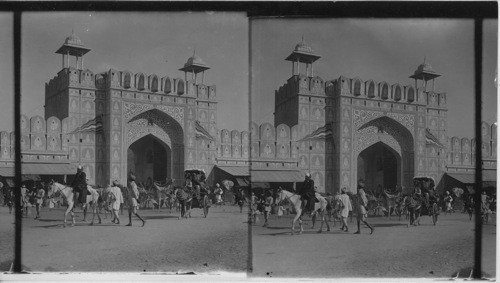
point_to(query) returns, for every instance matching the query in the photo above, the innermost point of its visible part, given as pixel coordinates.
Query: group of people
(342, 204)
(112, 196)
(29, 198)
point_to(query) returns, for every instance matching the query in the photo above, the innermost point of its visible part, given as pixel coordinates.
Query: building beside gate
(157, 126)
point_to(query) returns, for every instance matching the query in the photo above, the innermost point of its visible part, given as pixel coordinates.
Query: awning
(262, 185)
(243, 182)
(236, 171)
(279, 176)
(488, 176)
(40, 169)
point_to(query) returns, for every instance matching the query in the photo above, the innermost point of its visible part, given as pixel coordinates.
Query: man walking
(344, 206)
(361, 212)
(40, 194)
(116, 198)
(133, 196)
(268, 201)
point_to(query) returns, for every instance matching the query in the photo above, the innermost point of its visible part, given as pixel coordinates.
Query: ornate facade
(344, 129)
(339, 130)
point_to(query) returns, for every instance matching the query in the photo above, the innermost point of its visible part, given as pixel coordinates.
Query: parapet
(300, 84)
(463, 150)
(383, 91)
(70, 77)
(38, 136)
(153, 83)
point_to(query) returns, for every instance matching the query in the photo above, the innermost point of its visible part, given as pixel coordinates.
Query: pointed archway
(150, 159)
(379, 166)
(391, 138)
(155, 135)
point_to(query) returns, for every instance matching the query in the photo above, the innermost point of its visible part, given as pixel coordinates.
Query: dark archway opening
(150, 159)
(379, 165)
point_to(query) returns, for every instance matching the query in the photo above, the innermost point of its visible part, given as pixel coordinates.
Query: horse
(182, 197)
(163, 192)
(102, 202)
(391, 201)
(68, 194)
(172, 202)
(295, 200)
(197, 200)
(92, 202)
(374, 204)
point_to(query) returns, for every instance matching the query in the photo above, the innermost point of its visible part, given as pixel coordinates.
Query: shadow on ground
(159, 217)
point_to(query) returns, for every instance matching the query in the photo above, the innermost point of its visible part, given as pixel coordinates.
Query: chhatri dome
(73, 46)
(73, 39)
(194, 65)
(303, 53)
(424, 67)
(303, 47)
(424, 72)
(194, 60)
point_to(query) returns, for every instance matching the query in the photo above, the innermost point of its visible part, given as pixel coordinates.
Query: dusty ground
(441, 251)
(201, 245)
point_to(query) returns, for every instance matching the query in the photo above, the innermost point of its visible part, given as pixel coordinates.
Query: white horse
(92, 202)
(68, 194)
(294, 199)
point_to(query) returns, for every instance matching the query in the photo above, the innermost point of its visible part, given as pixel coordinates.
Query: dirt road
(201, 245)
(393, 250)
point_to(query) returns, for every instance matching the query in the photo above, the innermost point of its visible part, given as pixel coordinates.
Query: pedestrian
(469, 206)
(240, 199)
(133, 196)
(9, 199)
(253, 208)
(485, 204)
(447, 200)
(329, 205)
(116, 198)
(218, 194)
(344, 206)
(361, 212)
(24, 202)
(4, 193)
(268, 201)
(40, 194)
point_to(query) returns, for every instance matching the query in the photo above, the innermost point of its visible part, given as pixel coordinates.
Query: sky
(6, 72)
(379, 49)
(157, 43)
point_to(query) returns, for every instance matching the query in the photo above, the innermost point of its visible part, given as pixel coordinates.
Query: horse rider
(79, 184)
(307, 193)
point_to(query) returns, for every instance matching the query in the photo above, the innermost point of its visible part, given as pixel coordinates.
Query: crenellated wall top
(384, 91)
